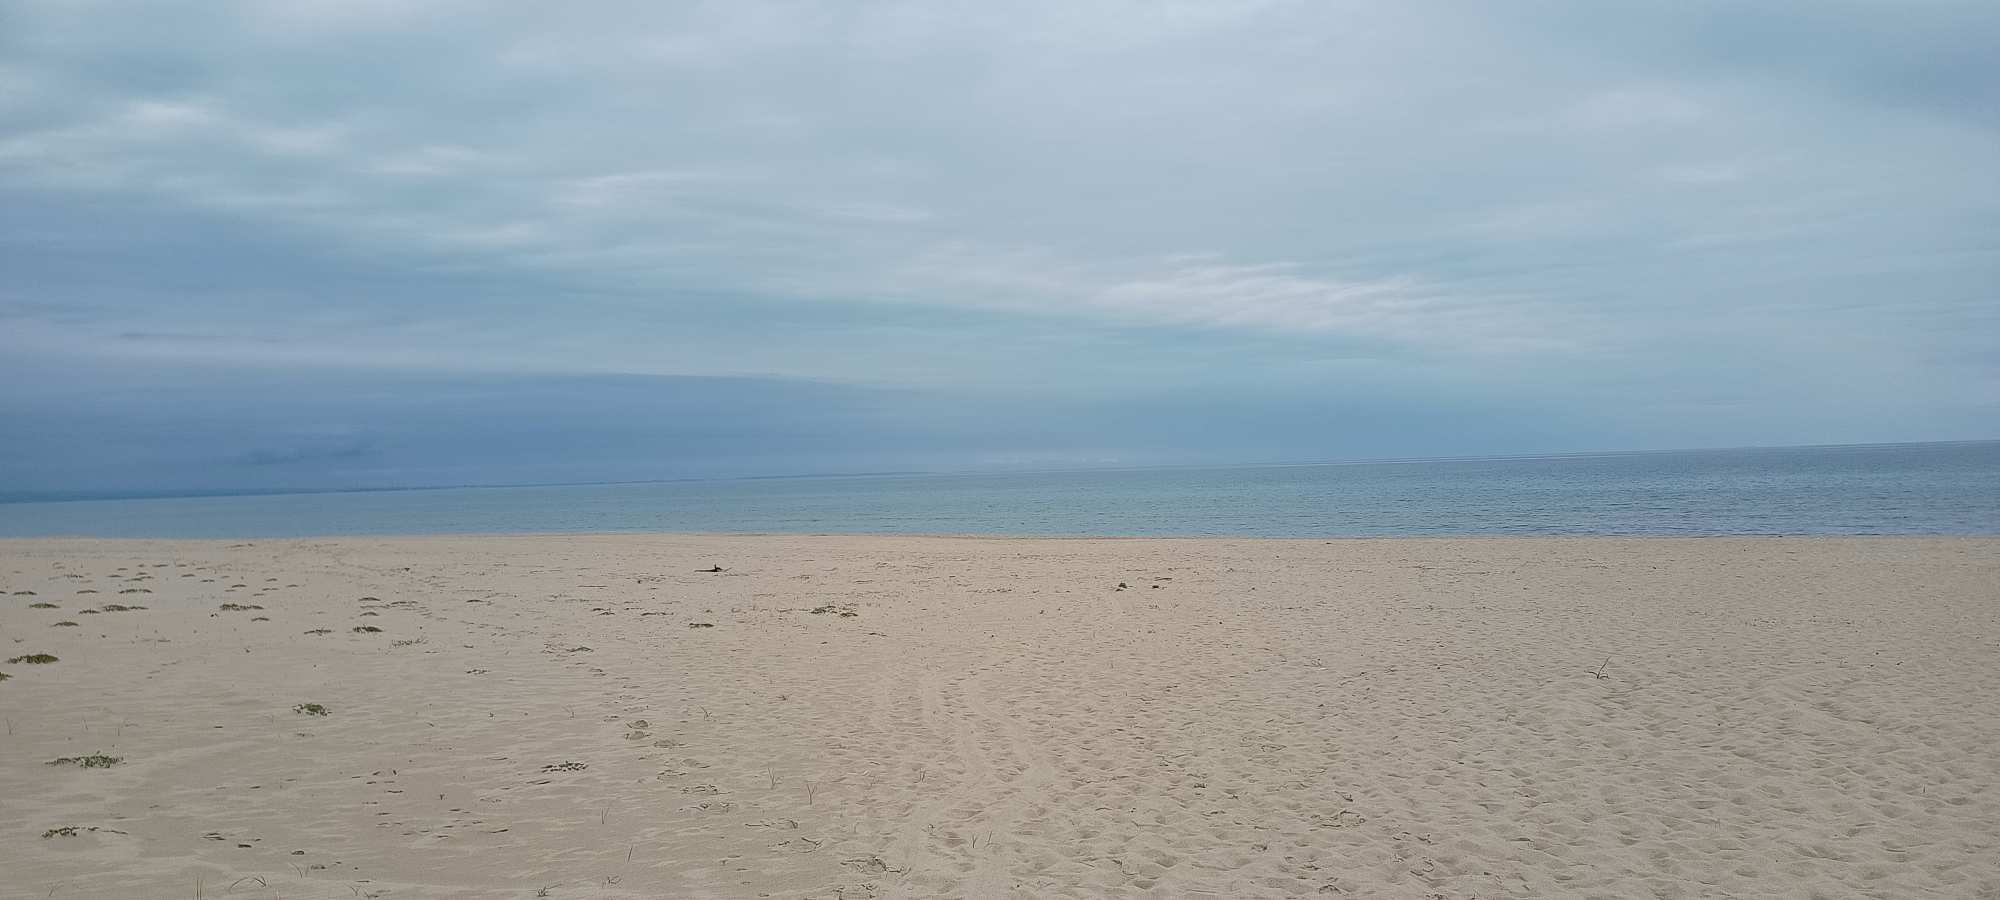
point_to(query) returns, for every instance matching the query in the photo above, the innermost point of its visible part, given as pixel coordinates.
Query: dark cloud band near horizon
(966, 235)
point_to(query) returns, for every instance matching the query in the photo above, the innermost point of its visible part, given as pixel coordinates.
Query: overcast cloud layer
(278, 244)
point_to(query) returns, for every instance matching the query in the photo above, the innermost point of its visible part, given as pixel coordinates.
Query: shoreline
(978, 536)
(201, 493)
(1929, 490)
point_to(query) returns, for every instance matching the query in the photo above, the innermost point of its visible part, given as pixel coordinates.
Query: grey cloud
(234, 429)
(1452, 206)
(329, 448)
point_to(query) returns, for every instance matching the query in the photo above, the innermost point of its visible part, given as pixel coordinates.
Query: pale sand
(1396, 718)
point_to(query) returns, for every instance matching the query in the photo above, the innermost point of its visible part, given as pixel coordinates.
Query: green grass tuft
(35, 658)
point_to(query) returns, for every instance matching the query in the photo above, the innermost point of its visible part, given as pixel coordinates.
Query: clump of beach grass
(93, 761)
(35, 658)
(311, 709)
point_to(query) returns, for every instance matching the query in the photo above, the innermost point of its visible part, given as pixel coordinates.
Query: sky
(343, 243)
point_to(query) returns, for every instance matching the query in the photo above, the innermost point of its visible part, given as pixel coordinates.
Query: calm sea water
(1902, 489)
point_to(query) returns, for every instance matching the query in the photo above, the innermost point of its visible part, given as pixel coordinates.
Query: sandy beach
(857, 717)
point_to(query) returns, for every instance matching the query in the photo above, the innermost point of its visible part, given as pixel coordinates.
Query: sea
(1937, 488)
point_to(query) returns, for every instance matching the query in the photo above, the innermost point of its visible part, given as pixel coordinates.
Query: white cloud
(1725, 172)
(433, 161)
(1638, 106)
